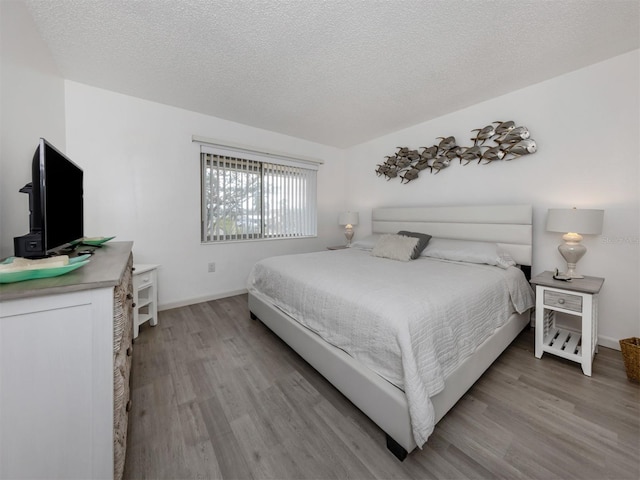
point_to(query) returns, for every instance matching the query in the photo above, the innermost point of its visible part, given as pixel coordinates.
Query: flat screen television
(56, 211)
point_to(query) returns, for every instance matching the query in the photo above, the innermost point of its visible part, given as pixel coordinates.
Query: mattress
(411, 322)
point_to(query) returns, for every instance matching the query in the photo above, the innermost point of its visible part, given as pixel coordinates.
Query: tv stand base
(29, 246)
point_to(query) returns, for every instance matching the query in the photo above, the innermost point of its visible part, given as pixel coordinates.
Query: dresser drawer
(563, 300)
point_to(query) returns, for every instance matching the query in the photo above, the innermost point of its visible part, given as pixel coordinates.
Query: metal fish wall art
(509, 141)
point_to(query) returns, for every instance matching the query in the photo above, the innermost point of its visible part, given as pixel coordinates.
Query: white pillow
(395, 247)
(366, 243)
(468, 251)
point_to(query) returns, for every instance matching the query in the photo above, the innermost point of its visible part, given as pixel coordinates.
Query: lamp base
(571, 271)
(348, 232)
(572, 251)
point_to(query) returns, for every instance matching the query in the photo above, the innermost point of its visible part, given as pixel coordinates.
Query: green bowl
(13, 277)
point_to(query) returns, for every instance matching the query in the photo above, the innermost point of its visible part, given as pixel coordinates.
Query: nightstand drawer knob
(561, 301)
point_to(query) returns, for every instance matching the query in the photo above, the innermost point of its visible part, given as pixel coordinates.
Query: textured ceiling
(335, 72)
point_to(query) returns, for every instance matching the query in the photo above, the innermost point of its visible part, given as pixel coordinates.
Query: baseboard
(192, 301)
(608, 342)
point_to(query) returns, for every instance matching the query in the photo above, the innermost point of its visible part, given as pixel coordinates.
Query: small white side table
(145, 296)
(578, 297)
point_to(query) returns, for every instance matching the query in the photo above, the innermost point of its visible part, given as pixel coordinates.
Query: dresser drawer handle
(129, 351)
(128, 407)
(561, 301)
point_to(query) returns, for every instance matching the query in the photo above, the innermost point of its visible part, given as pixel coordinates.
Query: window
(247, 196)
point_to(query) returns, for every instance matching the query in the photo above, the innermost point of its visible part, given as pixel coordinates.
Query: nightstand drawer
(563, 300)
(142, 279)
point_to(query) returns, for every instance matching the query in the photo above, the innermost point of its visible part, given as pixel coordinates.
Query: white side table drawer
(143, 279)
(563, 300)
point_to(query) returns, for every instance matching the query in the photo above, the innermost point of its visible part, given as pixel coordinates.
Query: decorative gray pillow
(395, 247)
(423, 240)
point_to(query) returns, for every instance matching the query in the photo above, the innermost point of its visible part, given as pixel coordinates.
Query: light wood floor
(217, 395)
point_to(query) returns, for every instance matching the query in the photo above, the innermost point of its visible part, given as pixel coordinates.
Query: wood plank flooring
(217, 395)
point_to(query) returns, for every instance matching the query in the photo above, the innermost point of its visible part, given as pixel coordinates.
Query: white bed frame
(508, 225)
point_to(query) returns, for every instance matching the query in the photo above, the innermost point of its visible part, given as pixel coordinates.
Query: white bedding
(411, 322)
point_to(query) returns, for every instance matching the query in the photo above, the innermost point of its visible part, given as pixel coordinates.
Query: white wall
(586, 125)
(142, 183)
(31, 106)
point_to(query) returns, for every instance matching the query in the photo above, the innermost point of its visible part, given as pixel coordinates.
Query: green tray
(13, 277)
(96, 241)
(79, 258)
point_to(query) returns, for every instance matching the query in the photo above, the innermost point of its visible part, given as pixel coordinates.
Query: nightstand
(145, 296)
(577, 297)
(337, 247)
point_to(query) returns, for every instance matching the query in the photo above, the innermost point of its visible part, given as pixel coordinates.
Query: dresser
(65, 359)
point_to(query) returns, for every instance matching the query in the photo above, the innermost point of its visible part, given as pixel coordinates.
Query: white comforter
(411, 322)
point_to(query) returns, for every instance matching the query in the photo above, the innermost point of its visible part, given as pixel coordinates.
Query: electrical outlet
(212, 267)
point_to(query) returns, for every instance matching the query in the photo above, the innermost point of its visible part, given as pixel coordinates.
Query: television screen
(62, 202)
(55, 203)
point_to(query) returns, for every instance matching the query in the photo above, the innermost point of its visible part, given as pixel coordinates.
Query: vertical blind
(244, 199)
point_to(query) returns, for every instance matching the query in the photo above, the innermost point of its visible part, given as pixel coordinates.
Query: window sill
(251, 240)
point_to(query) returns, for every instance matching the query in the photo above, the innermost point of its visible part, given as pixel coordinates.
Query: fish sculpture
(504, 127)
(403, 162)
(392, 173)
(409, 175)
(523, 147)
(509, 141)
(382, 169)
(429, 153)
(515, 135)
(413, 155)
(454, 152)
(470, 154)
(483, 134)
(439, 164)
(492, 154)
(422, 164)
(447, 143)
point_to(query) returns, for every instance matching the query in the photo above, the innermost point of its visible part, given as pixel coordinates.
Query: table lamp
(348, 220)
(574, 222)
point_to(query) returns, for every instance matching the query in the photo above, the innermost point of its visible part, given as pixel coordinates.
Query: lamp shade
(582, 221)
(348, 218)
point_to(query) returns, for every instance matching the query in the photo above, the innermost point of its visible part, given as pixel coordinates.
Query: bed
(389, 381)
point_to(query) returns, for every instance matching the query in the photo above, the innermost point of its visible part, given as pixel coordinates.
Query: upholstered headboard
(510, 226)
